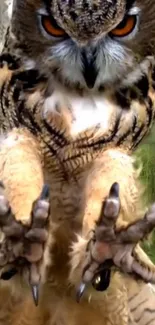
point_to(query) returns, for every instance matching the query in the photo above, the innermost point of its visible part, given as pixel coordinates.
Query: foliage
(146, 153)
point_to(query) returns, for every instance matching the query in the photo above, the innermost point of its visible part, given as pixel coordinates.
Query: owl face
(86, 44)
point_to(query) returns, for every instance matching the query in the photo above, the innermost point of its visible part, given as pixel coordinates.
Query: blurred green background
(146, 154)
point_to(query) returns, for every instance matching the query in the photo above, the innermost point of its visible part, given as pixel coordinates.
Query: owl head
(87, 44)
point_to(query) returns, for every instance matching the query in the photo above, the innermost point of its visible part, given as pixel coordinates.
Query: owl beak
(90, 71)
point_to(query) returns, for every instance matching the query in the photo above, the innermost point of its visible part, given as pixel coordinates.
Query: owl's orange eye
(125, 27)
(51, 27)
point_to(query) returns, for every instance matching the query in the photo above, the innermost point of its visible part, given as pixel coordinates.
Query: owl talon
(114, 191)
(35, 293)
(116, 246)
(34, 280)
(80, 291)
(24, 243)
(45, 193)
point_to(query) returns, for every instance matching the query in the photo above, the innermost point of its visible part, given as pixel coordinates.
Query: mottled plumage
(76, 100)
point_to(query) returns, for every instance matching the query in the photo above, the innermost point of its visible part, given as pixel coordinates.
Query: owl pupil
(122, 23)
(54, 23)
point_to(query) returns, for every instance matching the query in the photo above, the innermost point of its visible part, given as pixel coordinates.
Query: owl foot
(23, 246)
(110, 246)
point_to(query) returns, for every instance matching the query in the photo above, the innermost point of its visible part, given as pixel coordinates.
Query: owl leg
(110, 246)
(23, 245)
(23, 210)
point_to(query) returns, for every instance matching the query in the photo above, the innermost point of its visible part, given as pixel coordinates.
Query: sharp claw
(35, 293)
(2, 185)
(114, 190)
(34, 280)
(80, 291)
(45, 192)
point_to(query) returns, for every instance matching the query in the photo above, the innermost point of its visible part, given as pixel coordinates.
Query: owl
(77, 96)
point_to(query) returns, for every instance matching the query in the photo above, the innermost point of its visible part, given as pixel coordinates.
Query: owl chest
(72, 127)
(79, 113)
(77, 129)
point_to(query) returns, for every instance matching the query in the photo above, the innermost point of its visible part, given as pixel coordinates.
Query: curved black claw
(34, 280)
(80, 291)
(23, 246)
(114, 191)
(35, 293)
(115, 247)
(45, 193)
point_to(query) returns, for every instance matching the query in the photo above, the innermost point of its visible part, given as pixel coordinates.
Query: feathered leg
(24, 207)
(110, 246)
(111, 231)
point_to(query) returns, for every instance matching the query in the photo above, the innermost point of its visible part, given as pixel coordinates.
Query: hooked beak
(90, 70)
